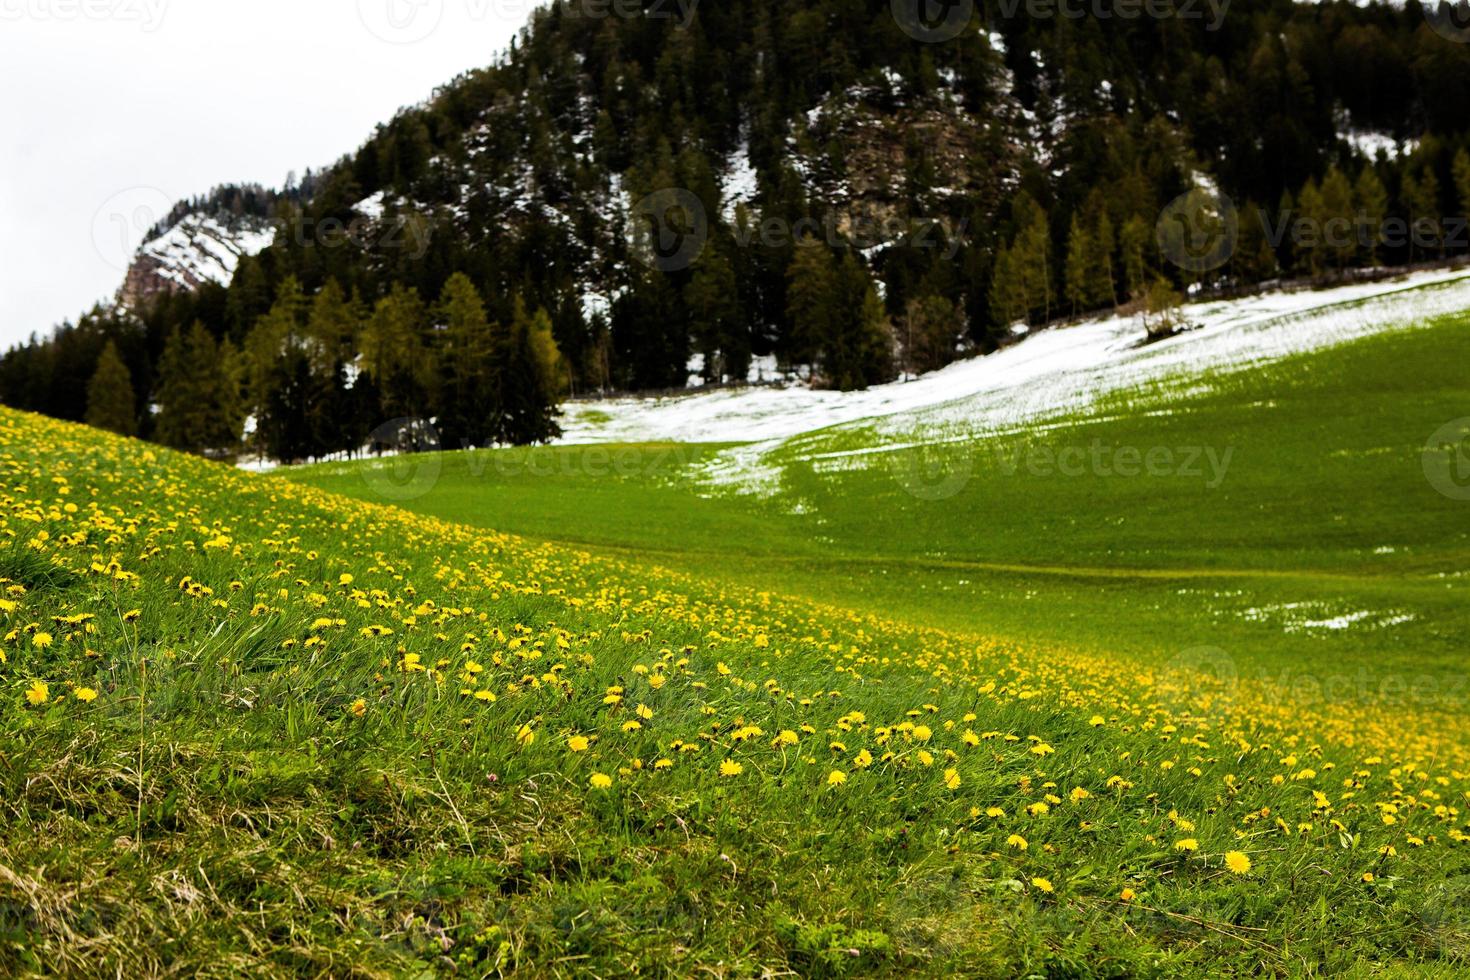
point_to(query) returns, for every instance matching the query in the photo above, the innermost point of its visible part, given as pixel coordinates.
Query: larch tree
(111, 402)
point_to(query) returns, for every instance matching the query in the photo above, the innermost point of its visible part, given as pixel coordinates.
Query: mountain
(645, 181)
(200, 248)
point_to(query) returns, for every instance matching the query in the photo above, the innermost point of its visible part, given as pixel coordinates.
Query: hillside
(258, 727)
(952, 189)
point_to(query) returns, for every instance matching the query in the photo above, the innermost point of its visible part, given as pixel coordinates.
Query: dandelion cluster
(624, 679)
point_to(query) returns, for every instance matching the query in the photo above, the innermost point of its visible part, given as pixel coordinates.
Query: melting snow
(1050, 374)
(202, 249)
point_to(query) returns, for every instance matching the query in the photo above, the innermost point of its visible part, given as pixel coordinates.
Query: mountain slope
(255, 727)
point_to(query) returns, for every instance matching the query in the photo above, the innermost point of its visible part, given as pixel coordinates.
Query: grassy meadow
(584, 712)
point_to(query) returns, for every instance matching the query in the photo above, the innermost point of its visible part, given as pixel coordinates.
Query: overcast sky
(111, 108)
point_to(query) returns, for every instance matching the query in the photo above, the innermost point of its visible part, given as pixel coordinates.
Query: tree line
(317, 374)
(1048, 147)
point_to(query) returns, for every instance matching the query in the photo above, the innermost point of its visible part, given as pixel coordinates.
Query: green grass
(1315, 495)
(335, 738)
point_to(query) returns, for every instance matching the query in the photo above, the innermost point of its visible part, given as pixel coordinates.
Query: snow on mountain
(1051, 373)
(198, 249)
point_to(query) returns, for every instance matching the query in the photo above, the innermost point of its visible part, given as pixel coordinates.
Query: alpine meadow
(852, 488)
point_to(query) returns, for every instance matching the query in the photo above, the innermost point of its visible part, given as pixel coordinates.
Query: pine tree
(712, 299)
(529, 379)
(281, 390)
(1007, 290)
(931, 330)
(395, 355)
(467, 407)
(1460, 169)
(1311, 249)
(1134, 246)
(858, 350)
(1338, 224)
(198, 394)
(1081, 278)
(111, 403)
(1104, 288)
(331, 335)
(1370, 203)
(811, 299)
(1421, 200)
(1031, 251)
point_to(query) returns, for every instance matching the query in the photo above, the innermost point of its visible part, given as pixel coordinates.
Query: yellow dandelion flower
(38, 693)
(836, 777)
(85, 694)
(1017, 841)
(952, 779)
(600, 780)
(578, 743)
(1043, 885)
(41, 641)
(1186, 844)
(731, 768)
(1237, 862)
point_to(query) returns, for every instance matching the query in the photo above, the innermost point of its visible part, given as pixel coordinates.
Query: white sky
(110, 108)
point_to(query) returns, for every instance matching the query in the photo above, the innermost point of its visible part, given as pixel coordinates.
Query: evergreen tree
(282, 391)
(712, 299)
(1339, 224)
(1134, 246)
(111, 403)
(1081, 279)
(931, 331)
(1370, 202)
(331, 336)
(395, 355)
(199, 408)
(1311, 248)
(468, 404)
(1421, 201)
(1104, 289)
(1460, 169)
(1007, 289)
(1031, 254)
(811, 299)
(530, 379)
(858, 349)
